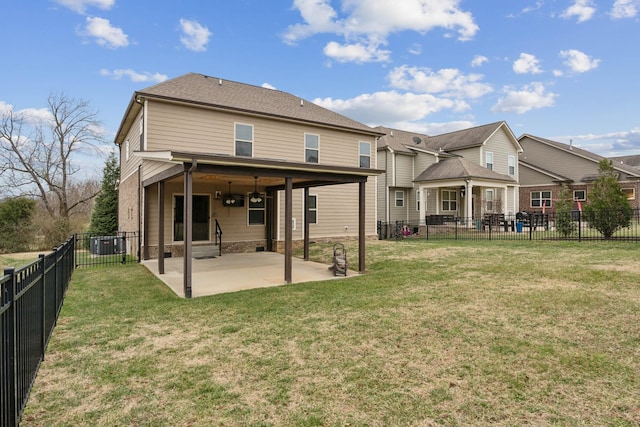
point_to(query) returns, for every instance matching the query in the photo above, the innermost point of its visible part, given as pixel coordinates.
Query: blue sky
(559, 69)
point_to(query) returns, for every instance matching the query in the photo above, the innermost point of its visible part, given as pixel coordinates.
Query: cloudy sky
(559, 69)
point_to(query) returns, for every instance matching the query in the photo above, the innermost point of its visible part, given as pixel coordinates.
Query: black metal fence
(522, 226)
(117, 248)
(30, 301)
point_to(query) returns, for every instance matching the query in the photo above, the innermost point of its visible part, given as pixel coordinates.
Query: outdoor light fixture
(229, 200)
(462, 190)
(255, 197)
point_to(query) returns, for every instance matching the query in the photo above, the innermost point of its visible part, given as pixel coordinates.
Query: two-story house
(546, 165)
(209, 161)
(463, 174)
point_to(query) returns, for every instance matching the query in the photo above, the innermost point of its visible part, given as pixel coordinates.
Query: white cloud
(578, 62)
(80, 6)
(355, 53)
(625, 9)
(530, 97)
(134, 76)
(448, 82)
(415, 49)
(5, 108)
(195, 37)
(389, 107)
(106, 34)
(369, 23)
(268, 86)
(610, 144)
(478, 60)
(582, 9)
(527, 64)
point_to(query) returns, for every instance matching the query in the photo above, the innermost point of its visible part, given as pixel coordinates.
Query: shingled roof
(403, 141)
(216, 92)
(630, 170)
(457, 168)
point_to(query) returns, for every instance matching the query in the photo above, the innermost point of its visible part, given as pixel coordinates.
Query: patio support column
(187, 235)
(423, 206)
(361, 226)
(145, 227)
(288, 232)
(468, 201)
(306, 223)
(161, 227)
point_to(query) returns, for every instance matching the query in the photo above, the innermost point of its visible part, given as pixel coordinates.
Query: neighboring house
(633, 161)
(200, 154)
(462, 174)
(545, 165)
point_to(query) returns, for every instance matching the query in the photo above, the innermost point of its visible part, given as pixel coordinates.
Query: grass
(444, 333)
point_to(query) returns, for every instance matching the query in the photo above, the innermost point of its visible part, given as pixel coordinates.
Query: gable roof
(404, 142)
(457, 168)
(214, 92)
(588, 155)
(467, 138)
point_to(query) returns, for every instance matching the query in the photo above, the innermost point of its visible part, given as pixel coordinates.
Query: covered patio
(238, 272)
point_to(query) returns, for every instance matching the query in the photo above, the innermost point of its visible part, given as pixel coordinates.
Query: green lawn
(437, 333)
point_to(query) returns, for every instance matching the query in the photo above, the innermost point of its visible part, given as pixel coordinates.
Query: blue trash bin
(518, 227)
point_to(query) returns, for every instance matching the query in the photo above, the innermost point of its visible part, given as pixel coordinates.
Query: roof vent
(392, 133)
(302, 103)
(417, 139)
(219, 82)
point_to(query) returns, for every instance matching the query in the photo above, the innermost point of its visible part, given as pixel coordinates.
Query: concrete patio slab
(237, 272)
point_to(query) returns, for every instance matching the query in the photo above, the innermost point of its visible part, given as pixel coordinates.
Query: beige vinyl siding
(404, 170)
(473, 154)
(191, 129)
(233, 221)
(553, 159)
(531, 177)
(432, 201)
(502, 147)
(130, 165)
(381, 189)
(423, 161)
(398, 213)
(413, 214)
(337, 209)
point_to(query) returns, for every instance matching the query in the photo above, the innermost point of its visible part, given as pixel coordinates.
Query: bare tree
(38, 151)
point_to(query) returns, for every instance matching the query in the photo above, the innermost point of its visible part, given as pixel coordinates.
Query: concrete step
(205, 251)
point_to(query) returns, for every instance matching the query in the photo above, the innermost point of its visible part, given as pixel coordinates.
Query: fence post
(579, 226)
(43, 304)
(124, 246)
(12, 367)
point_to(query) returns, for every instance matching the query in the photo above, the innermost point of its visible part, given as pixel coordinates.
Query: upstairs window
(512, 165)
(244, 140)
(365, 154)
(311, 148)
(489, 160)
